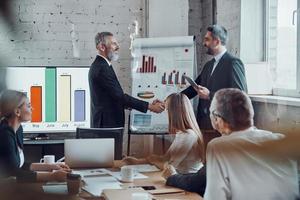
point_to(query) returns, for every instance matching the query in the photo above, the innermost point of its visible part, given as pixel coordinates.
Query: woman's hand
(168, 171)
(129, 160)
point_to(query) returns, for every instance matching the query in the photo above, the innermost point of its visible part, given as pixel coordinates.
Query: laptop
(89, 153)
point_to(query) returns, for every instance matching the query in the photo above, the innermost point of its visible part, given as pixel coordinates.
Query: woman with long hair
(186, 151)
(15, 108)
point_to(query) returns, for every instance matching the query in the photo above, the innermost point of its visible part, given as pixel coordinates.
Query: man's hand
(59, 176)
(202, 92)
(156, 106)
(59, 166)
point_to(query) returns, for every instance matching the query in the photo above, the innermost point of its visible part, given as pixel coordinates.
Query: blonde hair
(10, 100)
(182, 117)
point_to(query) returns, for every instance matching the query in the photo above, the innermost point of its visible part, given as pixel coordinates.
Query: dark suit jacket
(9, 154)
(193, 182)
(108, 100)
(229, 73)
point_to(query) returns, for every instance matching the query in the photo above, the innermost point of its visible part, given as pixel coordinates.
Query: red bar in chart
(170, 78)
(183, 79)
(147, 65)
(163, 79)
(177, 78)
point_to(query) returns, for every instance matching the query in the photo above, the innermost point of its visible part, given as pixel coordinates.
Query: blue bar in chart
(79, 103)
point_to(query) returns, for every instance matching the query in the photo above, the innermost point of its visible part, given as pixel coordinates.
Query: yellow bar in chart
(64, 83)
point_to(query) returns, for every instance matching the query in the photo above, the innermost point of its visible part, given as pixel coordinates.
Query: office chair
(116, 133)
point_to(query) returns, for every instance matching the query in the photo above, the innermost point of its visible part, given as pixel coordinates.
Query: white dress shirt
(21, 155)
(239, 174)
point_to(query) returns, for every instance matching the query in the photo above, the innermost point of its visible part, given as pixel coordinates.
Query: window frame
(283, 91)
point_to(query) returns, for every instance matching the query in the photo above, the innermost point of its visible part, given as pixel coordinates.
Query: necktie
(211, 66)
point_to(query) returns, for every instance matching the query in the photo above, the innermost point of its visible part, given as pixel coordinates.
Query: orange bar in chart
(36, 103)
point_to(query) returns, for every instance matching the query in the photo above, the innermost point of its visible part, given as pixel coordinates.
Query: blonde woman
(186, 151)
(15, 108)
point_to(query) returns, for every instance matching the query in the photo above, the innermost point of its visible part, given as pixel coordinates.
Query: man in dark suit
(108, 100)
(223, 71)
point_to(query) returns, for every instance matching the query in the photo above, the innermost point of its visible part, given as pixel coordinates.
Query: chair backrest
(116, 133)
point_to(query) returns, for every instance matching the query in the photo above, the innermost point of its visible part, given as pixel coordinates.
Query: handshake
(156, 106)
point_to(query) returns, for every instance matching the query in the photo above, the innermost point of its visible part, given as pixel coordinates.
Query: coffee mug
(127, 174)
(48, 159)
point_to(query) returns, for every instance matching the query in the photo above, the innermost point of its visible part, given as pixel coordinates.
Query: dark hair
(234, 106)
(218, 32)
(101, 37)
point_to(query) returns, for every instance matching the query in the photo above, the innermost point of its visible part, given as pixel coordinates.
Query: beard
(113, 56)
(209, 51)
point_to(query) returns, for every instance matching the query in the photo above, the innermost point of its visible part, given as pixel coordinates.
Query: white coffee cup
(127, 174)
(140, 196)
(48, 159)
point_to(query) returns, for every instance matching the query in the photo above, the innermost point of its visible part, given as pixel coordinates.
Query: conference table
(34, 191)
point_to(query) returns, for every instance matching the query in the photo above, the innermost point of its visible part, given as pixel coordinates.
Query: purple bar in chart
(79, 104)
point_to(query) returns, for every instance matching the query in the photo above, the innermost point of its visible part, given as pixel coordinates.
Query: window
(270, 46)
(283, 46)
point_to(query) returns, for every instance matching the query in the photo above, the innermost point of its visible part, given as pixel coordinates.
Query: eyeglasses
(217, 115)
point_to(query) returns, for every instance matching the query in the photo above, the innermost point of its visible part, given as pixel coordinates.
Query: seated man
(236, 166)
(234, 172)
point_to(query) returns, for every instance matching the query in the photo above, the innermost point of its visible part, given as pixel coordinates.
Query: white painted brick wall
(42, 33)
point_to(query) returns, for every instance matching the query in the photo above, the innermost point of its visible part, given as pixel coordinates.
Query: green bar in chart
(50, 94)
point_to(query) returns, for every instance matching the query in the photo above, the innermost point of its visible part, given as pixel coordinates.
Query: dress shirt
(236, 173)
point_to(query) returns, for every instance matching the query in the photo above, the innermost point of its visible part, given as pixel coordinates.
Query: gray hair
(101, 37)
(235, 107)
(218, 32)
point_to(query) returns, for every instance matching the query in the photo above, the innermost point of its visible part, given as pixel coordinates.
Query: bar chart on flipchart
(60, 102)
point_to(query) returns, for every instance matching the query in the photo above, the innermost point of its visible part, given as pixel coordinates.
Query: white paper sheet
(137, 175)
(95, 185)
(145, 168)
(90, 172)
(55, 188)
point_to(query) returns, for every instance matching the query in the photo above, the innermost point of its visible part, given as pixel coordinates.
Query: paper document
(145, 168)
(137, 175)
(52, 188)
(90, 172)
(95, 185)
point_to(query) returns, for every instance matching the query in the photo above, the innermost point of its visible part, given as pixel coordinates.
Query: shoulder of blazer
(99, 61)
(7, 135)
(99, 65)
(229, 57)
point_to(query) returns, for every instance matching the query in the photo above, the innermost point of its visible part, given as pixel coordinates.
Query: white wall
(168, 18)
(42, 33)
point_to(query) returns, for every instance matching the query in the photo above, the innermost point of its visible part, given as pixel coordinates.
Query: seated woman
(186, 151)
(14, 109)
